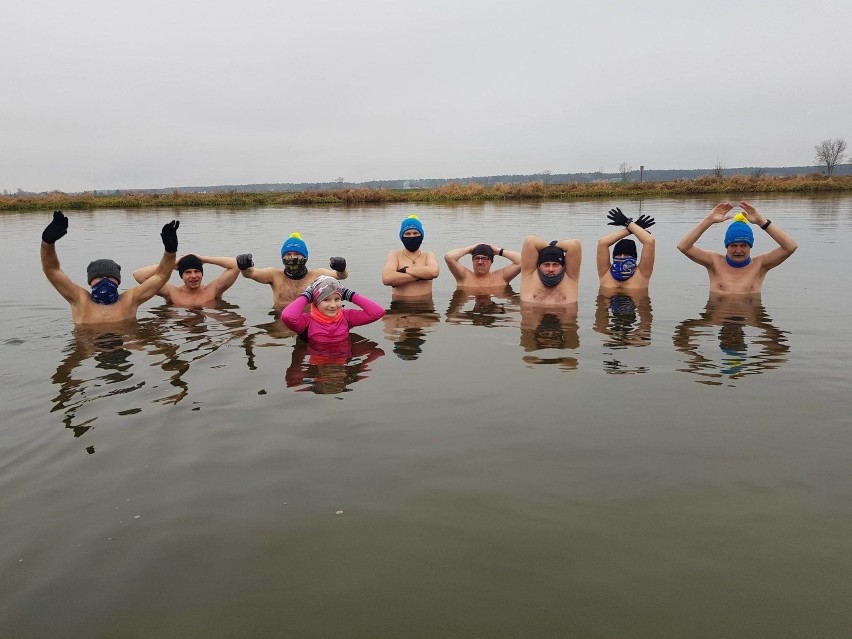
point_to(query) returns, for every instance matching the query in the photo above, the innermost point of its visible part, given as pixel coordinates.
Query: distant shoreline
(537, 190)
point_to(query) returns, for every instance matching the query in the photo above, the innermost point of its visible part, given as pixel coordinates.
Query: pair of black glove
(617, 218)
(58, 227)
(245, 260)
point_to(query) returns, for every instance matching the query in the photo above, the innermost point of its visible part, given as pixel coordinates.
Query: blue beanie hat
(295, 243)
(739, 232)
(411, 222)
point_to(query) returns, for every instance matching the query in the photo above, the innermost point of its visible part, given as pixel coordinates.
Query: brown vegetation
(739, 184)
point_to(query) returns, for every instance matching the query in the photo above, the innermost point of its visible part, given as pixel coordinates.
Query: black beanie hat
(483, 249)
(551, 254)
(103, 268)
(625, 247)
(188, 262)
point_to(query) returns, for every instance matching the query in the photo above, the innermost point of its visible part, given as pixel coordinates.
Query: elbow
(792, 248)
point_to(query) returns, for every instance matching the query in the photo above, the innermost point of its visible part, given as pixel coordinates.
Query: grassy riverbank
(742, 186)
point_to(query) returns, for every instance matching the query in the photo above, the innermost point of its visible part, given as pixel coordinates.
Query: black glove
(56, 229)
(617, 218)
(169, 235)
(337, 264)
(244, 261)
(645, 221)
(347, 294)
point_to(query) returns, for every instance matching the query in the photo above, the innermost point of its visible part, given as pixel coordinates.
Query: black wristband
(500, 253)
(766, 225)
(628, 222)
(553, 243)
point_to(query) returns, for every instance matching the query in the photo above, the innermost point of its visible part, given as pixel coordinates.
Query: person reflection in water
(549, 328)
(329, 370)
(729, 319)
(103, 304)
(97, 376)
(406, 324)
(624, 320)
(489, 308)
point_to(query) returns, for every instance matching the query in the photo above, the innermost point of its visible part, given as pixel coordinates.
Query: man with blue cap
(410, 271)
(291, 281)
(736, 271)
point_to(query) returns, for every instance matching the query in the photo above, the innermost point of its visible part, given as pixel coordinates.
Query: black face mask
(411, 244)
(551, 280)
(295, 267)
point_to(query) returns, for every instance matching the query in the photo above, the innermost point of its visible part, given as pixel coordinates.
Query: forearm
(780, 236)
(513, 256)
(49, 258)
(224, 262)
(688, 240)
(425, 272)
(456, 254)
(370, 311)
(142, 274)
(293, 317)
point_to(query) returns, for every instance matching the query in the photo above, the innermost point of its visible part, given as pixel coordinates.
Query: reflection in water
(109, 371)
(549, 327)
(405, 324)
(487, 309)
(99, 364)
(736, 323)
(276, 330)
(330, 369)
(195, 334)
(624, 320)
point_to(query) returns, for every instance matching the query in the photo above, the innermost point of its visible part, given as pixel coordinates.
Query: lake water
(662, 468)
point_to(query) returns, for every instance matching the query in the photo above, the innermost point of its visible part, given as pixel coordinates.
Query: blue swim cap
(295, 243)
(411, 222)
(739, 232)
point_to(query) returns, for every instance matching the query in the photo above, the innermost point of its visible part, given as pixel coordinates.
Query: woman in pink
(328, 322)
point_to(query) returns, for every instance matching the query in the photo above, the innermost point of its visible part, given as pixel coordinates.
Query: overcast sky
(100, 94)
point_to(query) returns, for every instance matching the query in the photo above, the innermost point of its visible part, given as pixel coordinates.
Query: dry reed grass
(740, 184)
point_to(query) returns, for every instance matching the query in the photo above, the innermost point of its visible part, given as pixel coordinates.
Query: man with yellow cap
(291, 281)
(736, 271)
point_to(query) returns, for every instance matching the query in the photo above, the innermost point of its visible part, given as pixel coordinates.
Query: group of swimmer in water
(310, 301)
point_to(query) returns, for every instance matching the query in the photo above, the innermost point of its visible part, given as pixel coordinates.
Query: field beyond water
(537, 190)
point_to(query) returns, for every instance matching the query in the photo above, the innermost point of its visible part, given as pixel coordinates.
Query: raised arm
(227, 278)
(573, 256)
(147, 289)
(452, 259)
(57, 228)
(786, 244)
(687, 242)
(509, 272)
(649, 248)
(246, 265)
(529, 253)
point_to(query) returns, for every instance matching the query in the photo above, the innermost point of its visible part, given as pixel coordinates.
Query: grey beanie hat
(103, 268)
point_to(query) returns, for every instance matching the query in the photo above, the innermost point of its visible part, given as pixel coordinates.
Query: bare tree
(624, 169)
(545, 175)
(758, 172)
(829, 153)
(719, 168)
(339, 181)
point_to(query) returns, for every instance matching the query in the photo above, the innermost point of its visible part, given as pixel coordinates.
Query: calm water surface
(663, 467)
